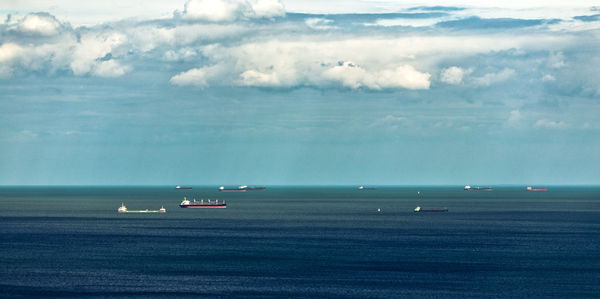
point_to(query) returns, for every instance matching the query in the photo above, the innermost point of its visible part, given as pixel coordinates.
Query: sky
(268, 92)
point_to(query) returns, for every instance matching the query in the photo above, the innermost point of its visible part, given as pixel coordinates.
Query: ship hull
(142, 211)
(233, 190)
(432, 210)
(203, 206)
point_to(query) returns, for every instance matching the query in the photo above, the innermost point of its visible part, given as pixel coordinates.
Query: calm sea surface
(300, 242)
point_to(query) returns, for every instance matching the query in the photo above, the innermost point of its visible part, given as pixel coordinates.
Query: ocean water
(298, 242)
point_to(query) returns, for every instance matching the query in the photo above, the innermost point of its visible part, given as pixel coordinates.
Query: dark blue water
(301, 242)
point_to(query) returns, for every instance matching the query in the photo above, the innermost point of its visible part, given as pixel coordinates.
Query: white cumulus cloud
(38, 23)
(407, 22)
(550, 124)
(110, 68)
(9, 51)
(230, 10)
(491, 78)
(353, 76)
(211, 10)
(197, 77)
(266, 8)
(92, 49)
(357, 62)
(454, 75)
(256, 78)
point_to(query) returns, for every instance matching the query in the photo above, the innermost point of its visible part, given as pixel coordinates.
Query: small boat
(365, 188)
(469, 188)
(182, 188)
(123, 209)
(202, 205)
(238, 189)
(536, 189)
(419, 209)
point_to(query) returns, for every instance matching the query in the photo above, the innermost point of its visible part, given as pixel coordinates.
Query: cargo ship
(536, 189)
(123, 209)
(469, 188)
(202, 204)
(182, 188)
(419, 209)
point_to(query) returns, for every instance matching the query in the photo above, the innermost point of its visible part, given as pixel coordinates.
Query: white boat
(123, 209)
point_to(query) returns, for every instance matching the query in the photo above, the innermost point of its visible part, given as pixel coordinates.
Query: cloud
(45, 48)
(299, 50)
(267, 8)
(146, 38)
(407, 22)
(256, 78)
(497, 23)
(110, 68)
(514, 119)
(197, 77)
(548, 78)
(556, 60)
(550, 124)
(491, 78)
(212, 10)
(589, 18)
(391, 122)
(9, 51)
(182, 54)
(319, 23)
(38, 24)
(454, 75)
(24, 136)
(366, 62)
(354, 76)
(311, 63)
(93, 55)
(230, 10)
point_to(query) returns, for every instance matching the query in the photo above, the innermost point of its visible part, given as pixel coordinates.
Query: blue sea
(301, 242)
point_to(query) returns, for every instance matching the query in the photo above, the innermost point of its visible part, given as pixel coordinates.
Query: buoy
(378, 210)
